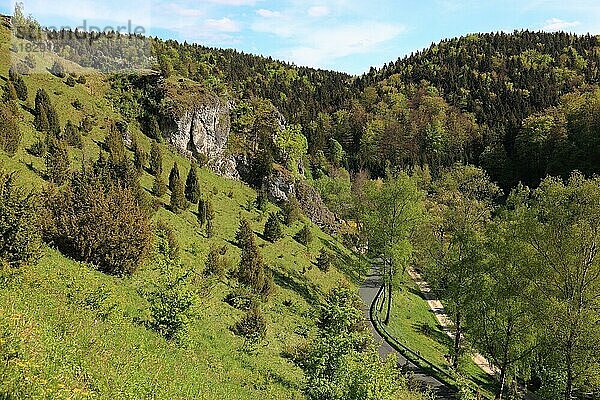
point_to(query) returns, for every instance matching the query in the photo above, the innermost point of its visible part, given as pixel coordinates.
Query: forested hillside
(503, 78)
(179, 221)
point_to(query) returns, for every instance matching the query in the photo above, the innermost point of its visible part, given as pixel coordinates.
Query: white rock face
(205, 129)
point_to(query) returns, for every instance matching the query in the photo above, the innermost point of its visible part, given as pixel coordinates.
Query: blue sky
(344, 35)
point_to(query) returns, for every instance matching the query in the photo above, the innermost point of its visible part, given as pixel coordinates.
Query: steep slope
(78, 331)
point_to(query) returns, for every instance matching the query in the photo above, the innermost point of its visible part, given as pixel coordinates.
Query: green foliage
(10, 93)
(253, 326)
(337, 152)
(20, 238)
(98, 222)
(291, 210)
(156, 159)
(464, 202)
(17, 81)
(210, 217)
(304, 236)
(10, 132)
(178, 201)
(167, 244)
(559, 228)
(170, 301)
(192, 185)
(140, 157)
(342, 362)
(174, 176)
(159, 187)
(291, 146)
(46, 118)
(251, 269)
(73, 135)
(324, 260)
(70, 81)
(261, 200)
(273, 230)
(57, 161)
(216, 263)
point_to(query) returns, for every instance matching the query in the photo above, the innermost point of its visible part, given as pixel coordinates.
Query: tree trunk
(457, 339)
(569, 388)
(502, 383)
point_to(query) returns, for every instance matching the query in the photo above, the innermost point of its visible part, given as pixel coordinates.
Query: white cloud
(235, 2)
(268, 13)
(555, 24)
(322, 47)
(318, 11)
(222, 25)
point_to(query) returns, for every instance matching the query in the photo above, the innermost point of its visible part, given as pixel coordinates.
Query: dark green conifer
(156, 159)
(57, 161)
(173, 176)
(210, 216)
(178, 201)
(159, 187)
(324, 260)
(192, 185)
(201, 212)
(72, 135)
(273, 230)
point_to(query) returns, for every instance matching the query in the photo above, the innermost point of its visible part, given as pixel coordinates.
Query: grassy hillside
(75, 332)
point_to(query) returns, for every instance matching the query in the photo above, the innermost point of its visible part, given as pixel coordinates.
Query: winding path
(445, 322)
(369, 291)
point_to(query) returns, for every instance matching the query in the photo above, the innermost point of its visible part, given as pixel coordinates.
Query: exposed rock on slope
(281, 185)
(198, 122)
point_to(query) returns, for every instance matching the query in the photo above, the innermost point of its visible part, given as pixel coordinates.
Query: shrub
(73, 135)
(77, 104)
(178, 201)
(17, 80)
(58, 70)
(273, 230)
(70, 81)
(170, 302)
(10, 93)
(139, 155)
(324, 260)
(159, 188)
(156, 159)
(241, 298)
(216, 262)
(173, 176)
(261, 200)
(57, 161)
(304, 236)
(192, 185)
(167, 242)
(10, 133)
(98, 222)
(210, 216)
(20, 237)
(253, 326)
(46, 118)
(87, 124)
(291, 211)
(39, 147)
(82, 80)
(251, 270)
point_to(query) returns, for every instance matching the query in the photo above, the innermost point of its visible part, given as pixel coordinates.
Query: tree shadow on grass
(298, 283)
(432, 333)
(354, 269)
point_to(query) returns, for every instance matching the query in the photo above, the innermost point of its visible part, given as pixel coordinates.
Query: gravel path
(445, 322)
